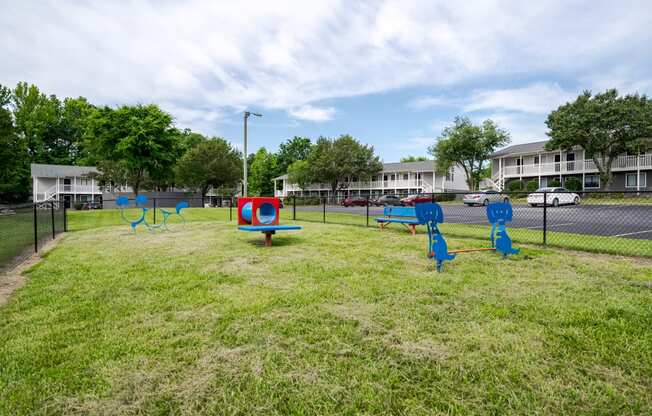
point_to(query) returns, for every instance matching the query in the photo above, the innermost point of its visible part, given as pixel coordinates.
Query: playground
(330, 319)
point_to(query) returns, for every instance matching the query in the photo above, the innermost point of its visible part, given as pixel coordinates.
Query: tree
(333, 161)
(469, 146)
(413, 159)
(297, 148)
(604, 125)
(262, 174)
(299, 173)
(14, 165)
(138, 140)
(212, 163)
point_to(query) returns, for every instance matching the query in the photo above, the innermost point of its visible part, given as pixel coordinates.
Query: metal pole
(230, 209)
(154, 210)
(244, 190)
(324, 210)
(367, 210)
(54, 234)
(294, 207)
(65, 217)
(35, 230)
(545, 218)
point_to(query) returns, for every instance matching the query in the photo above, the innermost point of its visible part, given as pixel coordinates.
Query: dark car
(412, 200)
(92, 205)
(357, 201)
(387, 200)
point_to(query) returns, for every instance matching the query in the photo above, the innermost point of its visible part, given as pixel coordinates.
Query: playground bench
(405, 216)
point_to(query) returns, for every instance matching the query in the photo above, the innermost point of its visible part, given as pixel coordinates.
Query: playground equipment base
(268, 230)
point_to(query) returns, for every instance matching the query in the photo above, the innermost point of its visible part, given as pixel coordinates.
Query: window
(591, 181)
(630, 180)
(449, 175)
(536, 160)
(406, 176)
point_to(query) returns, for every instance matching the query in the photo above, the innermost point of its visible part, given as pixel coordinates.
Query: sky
(392, 73)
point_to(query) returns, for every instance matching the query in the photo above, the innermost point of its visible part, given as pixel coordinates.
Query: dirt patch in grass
(14, 279)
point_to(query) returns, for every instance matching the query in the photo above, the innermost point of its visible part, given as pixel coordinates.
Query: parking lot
(627, 221)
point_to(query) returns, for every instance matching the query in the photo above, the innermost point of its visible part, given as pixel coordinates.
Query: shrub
(573, 184)
(532, 186)
(515, 186)
(444, 197)
(79, 206)
(554, 183)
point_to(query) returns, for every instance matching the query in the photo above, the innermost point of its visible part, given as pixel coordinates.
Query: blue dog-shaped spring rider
(499, 214)
(431, 214)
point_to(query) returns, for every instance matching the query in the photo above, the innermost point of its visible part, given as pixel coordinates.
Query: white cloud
(312, 113)
(537, 98)
(428, 101)
(289, 55)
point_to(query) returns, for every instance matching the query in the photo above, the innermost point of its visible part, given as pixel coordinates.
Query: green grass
(331, 320)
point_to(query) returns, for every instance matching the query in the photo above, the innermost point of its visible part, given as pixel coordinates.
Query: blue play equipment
(400, 215)
(266, 213)
(141, 202)
(499, 214)
(431, 215)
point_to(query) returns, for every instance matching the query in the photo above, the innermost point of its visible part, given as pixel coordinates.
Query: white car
(484, 198)
(554, 197)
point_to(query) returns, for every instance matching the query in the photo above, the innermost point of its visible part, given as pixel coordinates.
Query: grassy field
(331, 320)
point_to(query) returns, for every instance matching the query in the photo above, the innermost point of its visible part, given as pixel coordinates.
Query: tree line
(139, 146)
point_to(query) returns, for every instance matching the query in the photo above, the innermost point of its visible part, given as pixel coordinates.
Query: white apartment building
(405, 178)
(531, 161)
(61, 182)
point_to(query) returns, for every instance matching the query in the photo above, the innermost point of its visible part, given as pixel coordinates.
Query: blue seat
(268, 230)
(401, 215)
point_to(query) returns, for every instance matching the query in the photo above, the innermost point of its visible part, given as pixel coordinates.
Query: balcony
(368, 185)
(621, 163)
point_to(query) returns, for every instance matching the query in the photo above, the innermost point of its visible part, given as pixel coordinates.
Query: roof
(53, 171)
(419, 166)
(521, 148)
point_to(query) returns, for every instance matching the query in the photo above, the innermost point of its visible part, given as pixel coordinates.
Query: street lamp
(246, 116)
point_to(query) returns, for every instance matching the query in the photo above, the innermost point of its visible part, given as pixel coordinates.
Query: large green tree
(262, 173)
(14, 163)
(299, 173)
(137, 143)
(413, 159)
(296, 148)
(469, 146)
(605, 125)
(333, 161)
(211, 163)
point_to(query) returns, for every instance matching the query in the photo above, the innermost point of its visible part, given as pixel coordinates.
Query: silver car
(484, 198)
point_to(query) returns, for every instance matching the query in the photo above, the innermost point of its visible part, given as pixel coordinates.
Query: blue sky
(391, 73)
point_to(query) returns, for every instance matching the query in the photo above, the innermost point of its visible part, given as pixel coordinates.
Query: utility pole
(246, 116)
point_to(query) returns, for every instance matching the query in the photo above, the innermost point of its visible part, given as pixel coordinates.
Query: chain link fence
(600, 221)
(25, 228)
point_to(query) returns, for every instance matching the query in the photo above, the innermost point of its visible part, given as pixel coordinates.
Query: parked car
(554, 197)
(484, 198)
(358, 201)
(387, 200)
(412, 200)
(91, 205)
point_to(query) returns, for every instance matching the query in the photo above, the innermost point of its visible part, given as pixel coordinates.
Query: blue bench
(406, 216)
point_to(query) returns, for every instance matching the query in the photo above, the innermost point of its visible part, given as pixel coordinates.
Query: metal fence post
(294, 207)
(65, 217)
(35, 230)
(154, 210)
(324, 210)
(545, 218)
(54, 232)
(368, 202)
